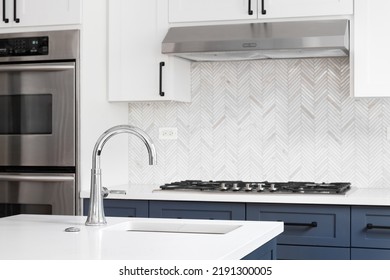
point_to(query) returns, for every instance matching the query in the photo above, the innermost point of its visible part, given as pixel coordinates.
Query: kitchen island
(45, 237)
(317, 226)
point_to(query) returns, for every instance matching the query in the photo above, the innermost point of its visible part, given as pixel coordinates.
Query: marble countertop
(44, 237)
(355, 196)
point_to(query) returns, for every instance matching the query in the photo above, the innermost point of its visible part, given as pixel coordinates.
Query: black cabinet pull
(250, 12)
(6, 20)
(162, 64)
(371, 226)
(312, 224)
(263, 11)
(16, 19)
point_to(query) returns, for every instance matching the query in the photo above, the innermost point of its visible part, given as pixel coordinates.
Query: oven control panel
(24, 46)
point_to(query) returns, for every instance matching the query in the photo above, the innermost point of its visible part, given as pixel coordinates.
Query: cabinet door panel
(369, 254)
(197, 210)
(210, 10)
(304, 8)
(370, 46)
(122, 208)
(306, 224)
(133, 50)
(6, 13)
(136, 30)
(47, 12)
(288, 252)
(376, 237)
(265, 252)
(215, 10)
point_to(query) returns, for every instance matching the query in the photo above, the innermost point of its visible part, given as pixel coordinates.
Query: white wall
(97, 114)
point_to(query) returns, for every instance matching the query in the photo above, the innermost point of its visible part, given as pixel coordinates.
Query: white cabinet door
(48, 12)
(303, 8)
(21, 13)
(7, 13)
(135, 32)
(211, 10)
(371, 59)
(214, 10)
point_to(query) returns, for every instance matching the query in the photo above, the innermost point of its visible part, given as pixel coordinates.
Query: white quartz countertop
(44, 237)
(355, 196)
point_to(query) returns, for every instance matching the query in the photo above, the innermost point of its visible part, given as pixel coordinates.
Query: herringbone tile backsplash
(273, 120)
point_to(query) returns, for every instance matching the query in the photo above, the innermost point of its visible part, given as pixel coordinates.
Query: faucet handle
(105, 192)
(117, 191)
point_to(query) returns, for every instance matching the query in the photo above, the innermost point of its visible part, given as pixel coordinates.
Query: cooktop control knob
(260, 187)
(272, 188)
(248, 187)
(223, 187)
(235, 187)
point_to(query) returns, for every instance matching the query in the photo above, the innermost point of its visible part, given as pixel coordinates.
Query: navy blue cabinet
(265, 252)
(370, 232)
(122, 208)
(303, 252)
(310, 231)
(197, 210)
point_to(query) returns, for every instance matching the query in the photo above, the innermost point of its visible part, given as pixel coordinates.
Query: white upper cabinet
(137, 71)
(22, 13)
(303, 8)
(210, 10)
(214, 10)
(371, 58)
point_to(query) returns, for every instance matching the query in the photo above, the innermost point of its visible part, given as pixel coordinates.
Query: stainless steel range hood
(299, 39)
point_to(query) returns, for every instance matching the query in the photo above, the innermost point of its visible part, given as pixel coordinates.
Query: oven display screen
(24, 46)
(26, 114)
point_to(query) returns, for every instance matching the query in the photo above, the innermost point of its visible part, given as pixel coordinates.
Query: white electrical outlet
(167, 133)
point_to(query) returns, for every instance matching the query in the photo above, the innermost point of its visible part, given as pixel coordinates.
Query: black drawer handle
(16, 19)
(6, 20)
(312, 224)
(250, 12)
(263, 10)
(162, 64)
(371, 226)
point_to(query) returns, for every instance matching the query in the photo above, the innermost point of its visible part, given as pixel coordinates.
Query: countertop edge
(24, 234)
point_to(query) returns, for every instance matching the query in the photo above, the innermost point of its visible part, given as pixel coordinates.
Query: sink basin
(173, 227)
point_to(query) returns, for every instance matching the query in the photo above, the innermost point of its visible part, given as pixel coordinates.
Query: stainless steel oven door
(37, 114)
(50, 194)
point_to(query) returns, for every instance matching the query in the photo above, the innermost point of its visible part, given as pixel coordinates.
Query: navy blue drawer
(197, 210)
(306, 224)
(122, 208)
(376, 237)
(369, 254)
(293, 252)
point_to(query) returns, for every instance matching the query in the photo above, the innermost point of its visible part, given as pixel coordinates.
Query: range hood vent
(250, 41)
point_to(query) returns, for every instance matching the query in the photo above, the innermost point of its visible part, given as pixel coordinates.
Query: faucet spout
(96, 215)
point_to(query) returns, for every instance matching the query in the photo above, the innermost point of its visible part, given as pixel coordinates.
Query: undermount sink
(173, 227)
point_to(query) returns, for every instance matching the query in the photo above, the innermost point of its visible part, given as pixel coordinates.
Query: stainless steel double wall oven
(38, 122)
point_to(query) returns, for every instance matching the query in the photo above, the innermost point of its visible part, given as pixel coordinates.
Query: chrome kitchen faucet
(96, 211)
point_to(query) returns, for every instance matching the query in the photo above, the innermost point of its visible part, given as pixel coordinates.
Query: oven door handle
(38, 178)
(40, 67)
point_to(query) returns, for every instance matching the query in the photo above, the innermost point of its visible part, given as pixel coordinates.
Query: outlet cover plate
(167, 133)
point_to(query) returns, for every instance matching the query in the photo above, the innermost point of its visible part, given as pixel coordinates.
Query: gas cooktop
(291, 187)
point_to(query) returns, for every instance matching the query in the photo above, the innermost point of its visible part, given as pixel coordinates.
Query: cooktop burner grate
(259, 187)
